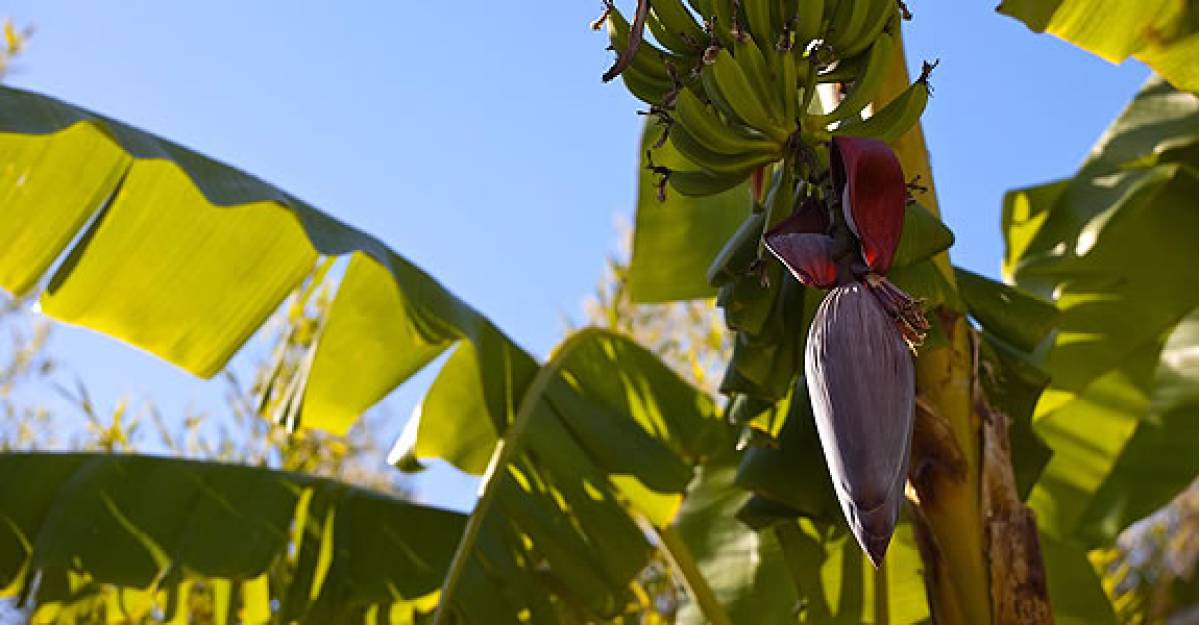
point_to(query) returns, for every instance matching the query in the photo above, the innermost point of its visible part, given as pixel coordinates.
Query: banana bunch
(733, 81)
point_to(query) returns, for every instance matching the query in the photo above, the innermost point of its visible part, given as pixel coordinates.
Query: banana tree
(737, 161)
(184, 257)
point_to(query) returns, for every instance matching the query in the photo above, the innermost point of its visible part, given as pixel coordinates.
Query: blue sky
(478, 140)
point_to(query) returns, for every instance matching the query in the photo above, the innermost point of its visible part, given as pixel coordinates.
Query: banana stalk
(977, 540)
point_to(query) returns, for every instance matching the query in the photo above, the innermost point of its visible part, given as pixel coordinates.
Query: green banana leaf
(605, 437)
(129, 534)
(773, 566)
(185, 257)
(773, 472)
(745, 568)
(1160, 33)
(1017, 317)
(675, 240)
(1115, 246)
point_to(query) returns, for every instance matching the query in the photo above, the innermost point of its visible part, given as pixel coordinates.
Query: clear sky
(477, 140)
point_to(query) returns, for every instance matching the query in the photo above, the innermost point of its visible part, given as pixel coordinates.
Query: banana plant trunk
(977, 539)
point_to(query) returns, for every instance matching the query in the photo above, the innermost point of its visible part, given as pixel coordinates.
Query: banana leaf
(185, 257)
(604, 441)
(676, 238)
(124, 537)
(768, 564)
(1160, 33)
(1115, 247)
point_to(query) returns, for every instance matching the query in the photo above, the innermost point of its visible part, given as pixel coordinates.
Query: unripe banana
(901, 114)
(673, 42)
(738, 91)
(677, 21)
(809, 14)
(738, 253)
(868, 82)
(714, 134)
(708, 80)
(730, 164)
(758, 14)
(782, 13)
(881, 13)
(649, 59)
(722, 21)
(754, 66)
(847, 20)
(649, 89)
(780, 199)
(700, 183)
(789, 86)
(747, 303)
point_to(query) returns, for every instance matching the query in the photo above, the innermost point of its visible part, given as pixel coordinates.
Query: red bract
(868, 175)
(800, 243)
(808, 256)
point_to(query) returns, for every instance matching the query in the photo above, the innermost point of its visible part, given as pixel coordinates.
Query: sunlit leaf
(1161, 33)
(675, 240)
(1115, 246)
(1011, 314)
(186, 257)
(607, 440)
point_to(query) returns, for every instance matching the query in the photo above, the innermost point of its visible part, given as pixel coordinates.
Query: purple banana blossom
(858, 361)
(861, 382)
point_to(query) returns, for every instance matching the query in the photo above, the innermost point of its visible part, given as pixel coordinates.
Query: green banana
(758, 15)
(701, 183)
(649, 59)
(678, 21)
(808, 94)
(714, 134)
(809, 14)
(649, 89)
(722, 21)
(708, 80)
(867, 84)
(748, 303)
(782, 12)
(780, 199)
(726, 164)
(754, 66)
(670, 40)
(738, 91)
(882, 12)
(789, 85)
(848, 20)
(901, 114)
(738, 253)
